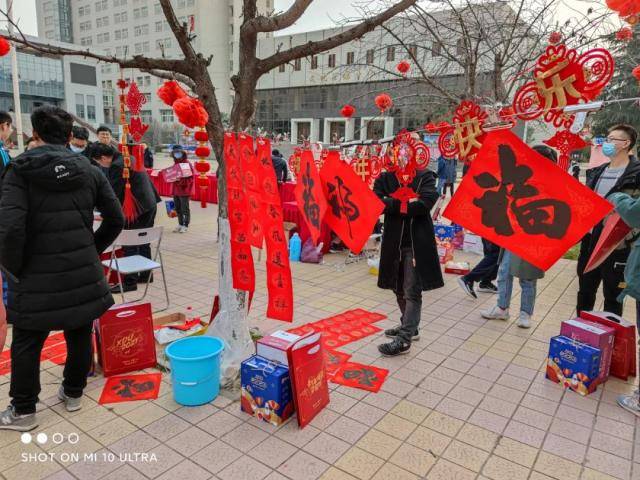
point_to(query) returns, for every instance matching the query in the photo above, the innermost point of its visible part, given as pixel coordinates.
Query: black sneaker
(467, 287)
(487, 288)
(392, 349)
(393, 333)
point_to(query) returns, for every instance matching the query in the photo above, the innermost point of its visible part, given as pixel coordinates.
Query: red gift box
(125, 341)
(623, 357)
(276, 346)
(308, 378)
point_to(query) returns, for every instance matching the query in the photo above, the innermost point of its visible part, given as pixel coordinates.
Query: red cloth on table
(287, 192)
(291, 213)
(165, 189)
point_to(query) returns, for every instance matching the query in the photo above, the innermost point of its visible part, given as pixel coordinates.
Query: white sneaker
(178, 229)
(184, 229)
(496, 313)
(524, 321)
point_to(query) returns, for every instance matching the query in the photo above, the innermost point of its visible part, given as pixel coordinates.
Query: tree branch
(172, 76)
(312, 48)
(278, 22)
(179, 31)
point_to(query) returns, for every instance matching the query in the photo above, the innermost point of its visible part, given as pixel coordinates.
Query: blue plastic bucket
(195, 369)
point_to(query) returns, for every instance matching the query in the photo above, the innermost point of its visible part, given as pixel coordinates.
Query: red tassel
(129, 205)
(203, 197)
(138, 154)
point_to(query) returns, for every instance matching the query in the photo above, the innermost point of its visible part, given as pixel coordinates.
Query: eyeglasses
(611, 139)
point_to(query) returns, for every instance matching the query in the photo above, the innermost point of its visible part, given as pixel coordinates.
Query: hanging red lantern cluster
(348, 111)
(628, 10)
(202, 166)
(403, 67)
(555, 38)
(5, 46)
(384, 102)
(170, 91)
(130, 206)
(190, 112)
(625, 34)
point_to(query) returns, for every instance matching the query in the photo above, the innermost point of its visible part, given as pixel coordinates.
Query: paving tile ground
(469, 401)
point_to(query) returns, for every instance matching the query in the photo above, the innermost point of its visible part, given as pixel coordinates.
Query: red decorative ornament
(137, 129)
(383, 102)
(202, 166)
(347, 111)
(403, 67)
(201, 136)
(628, 10)
(5, 46)
(563, 78)
(625, 34)
(190, 112)
(202, 151)
(431, 127)
(122, 83)
(636, 73)
(130, 206)
(555, 38)
(463, 138)
(565, 142)
(170, 91)
(135, 99)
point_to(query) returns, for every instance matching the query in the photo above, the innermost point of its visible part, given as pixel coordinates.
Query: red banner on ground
(130, 388)
(310, 196)
(518, 199)
(353, 208)
(358, 375)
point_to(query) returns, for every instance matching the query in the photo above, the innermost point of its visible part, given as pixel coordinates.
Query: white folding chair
(137, 263)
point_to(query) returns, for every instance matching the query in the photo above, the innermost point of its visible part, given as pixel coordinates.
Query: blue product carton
(443, 232)
(266, 390)
(573, 364)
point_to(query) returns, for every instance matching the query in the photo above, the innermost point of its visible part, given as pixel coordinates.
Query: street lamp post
(17, 109)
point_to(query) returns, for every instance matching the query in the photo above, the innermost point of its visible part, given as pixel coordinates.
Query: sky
(321, 13)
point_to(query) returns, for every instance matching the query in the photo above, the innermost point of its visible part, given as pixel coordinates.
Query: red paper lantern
(202, 167)
(201, 136)
(403, 67)
(203, 151)
(625, 34)
(190, 112)
(170, 91)
(347, 111)
(555, 38)
(5, 46)
(384, 102)
(636, 73)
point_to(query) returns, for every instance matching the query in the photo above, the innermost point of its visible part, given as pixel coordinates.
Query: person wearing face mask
(620, 174)
(79, 141)
(181, 190)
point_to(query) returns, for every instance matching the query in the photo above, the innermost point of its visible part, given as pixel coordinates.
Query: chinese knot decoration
(5, 46)
(135, 100)
(406, 156)
(129, 204)
(565, 142)
(463, 137)
(563, 78)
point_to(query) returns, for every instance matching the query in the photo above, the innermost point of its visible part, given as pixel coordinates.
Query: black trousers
(183, 210)
(409, 296)
(146, 220)
(447, 185)
(610, 273)
(487, 270)
(26, 346)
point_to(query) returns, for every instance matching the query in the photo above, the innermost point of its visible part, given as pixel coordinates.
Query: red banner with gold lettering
(309, 195)
(249, 164)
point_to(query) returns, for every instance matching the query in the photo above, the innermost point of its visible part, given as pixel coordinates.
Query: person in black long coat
(50, 253)
(409, 262)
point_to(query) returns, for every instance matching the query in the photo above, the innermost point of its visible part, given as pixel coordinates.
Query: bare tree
(475, 50)
(191, 70)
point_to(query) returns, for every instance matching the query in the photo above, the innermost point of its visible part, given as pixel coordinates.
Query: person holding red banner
(620, 174)
(409, 262)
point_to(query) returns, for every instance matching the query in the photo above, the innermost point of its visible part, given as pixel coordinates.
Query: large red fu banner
(353, 208)
(309, 195)
(518, 199)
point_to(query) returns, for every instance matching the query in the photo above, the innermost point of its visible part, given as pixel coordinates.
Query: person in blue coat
(442, 174)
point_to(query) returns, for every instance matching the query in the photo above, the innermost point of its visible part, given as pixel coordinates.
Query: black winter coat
(141, 186)
(421, 228)
(280, 167)
(47, 243)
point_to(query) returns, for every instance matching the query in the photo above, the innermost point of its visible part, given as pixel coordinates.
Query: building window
(413, 51)
(102, 6)
(297, 64)
(84, 26)
(48, 21)
(436, 49)
(120, 17)
(80, 105)
(86, 41)
(166, 116)
(47, 7)
(119, 51)
(102, 22)
(140, 30)
(86, 10)
(391, 54)
(281, 68)
(136, 13)
(158, 26)
(182, 3)
(144, 12)
(91, 107)
(147, 80)
(103, 37)
(157, 9)
(350, 58)
(314, 62)
(370, 54)
(332, 60)
(145, 116)
(145, 47)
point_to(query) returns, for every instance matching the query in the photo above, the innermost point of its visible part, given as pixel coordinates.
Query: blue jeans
(505, 287)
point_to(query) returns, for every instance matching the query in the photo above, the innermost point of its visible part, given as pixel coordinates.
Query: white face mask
(75, 149)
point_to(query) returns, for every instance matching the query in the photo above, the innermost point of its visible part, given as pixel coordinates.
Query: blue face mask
(608, 149)
(178, 155)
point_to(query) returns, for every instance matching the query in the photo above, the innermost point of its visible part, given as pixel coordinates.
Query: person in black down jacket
(409, 262)
(280, 166)
(51, 254)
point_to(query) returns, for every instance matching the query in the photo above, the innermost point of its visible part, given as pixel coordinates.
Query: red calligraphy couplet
(279, 285)
(241, 258)
(353, 209)
(520, 200)
(309, 195)
(249, 168)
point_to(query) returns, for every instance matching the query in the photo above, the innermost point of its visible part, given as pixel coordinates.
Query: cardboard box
(124, 338)
(266, 390)
(276, 346)
(596, 335)
(457, 268)
(573, 364)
